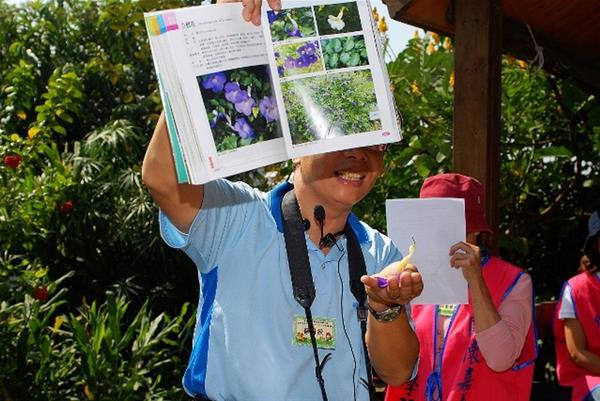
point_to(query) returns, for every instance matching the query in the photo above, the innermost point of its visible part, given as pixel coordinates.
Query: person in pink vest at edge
(484, 350)
(577, 324)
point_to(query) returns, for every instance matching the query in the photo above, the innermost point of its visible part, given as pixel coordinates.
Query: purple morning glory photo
(298, 58)
(243, 129)
(240, 106)
(268, 108)
(214, 82)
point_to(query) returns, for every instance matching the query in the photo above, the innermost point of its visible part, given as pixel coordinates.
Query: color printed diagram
(162, 23)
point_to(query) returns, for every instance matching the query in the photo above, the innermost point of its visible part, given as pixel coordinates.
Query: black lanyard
(304, 288)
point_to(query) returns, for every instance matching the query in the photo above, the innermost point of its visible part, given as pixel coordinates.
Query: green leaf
(556, 151)
(345, 58)
(354, 60)
(60, 129)
(337, 45)
(349, 45)
(333, 60)
(329, 46)
(64, 116)
(22, 351)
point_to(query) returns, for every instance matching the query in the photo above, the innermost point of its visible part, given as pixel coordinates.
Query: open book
(310, 79)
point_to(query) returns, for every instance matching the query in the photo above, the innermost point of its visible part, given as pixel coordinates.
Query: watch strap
(387, 315)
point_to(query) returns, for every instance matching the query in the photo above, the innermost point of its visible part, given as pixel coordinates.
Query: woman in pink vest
(577, 326)
(483, 350)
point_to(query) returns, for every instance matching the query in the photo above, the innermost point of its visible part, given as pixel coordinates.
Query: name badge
(446, 310)
(324, 332)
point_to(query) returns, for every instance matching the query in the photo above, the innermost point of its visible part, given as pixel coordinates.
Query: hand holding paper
(466, 257)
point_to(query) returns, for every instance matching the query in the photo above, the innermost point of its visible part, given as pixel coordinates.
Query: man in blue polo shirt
(251, 340)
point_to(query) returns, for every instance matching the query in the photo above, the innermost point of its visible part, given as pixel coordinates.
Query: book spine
(180, 166)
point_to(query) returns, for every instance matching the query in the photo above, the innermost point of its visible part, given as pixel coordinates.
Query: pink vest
(585, 290)
(464, 375)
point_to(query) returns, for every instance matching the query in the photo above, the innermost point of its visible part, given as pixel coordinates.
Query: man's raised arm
(180, 202)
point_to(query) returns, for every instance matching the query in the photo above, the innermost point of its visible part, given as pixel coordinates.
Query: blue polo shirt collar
(274, 200)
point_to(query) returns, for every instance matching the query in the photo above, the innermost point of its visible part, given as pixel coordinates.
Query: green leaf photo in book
(331, 105)
(344, 52)
(240, 106)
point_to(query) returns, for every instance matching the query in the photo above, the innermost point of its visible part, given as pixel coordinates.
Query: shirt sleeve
(227, 208)
(567, 309)
(502, 343)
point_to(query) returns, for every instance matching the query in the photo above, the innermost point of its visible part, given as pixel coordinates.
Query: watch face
(389, 314)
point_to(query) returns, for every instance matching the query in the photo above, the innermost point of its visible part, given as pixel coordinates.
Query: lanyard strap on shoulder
(303, 286)
(357, 269)
(302, 282)
(295, 244)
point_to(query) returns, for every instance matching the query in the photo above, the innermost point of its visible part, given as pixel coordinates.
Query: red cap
(454, 185)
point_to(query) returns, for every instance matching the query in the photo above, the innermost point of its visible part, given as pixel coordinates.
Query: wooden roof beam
(518, 42)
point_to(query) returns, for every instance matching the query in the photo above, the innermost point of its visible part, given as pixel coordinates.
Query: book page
(435, 224)
(214, 74)
(330, 80)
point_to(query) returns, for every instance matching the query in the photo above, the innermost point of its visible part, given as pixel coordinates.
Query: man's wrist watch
(387, 315)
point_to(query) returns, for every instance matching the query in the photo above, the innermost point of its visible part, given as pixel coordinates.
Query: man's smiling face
(340, 179)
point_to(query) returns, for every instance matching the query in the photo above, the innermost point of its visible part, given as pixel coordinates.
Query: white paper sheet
(435, 224)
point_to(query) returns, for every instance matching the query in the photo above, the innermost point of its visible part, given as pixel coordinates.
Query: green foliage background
(94, 306)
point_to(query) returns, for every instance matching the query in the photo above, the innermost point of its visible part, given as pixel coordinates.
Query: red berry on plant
(66, 207)
(41, 293)
(12, 161)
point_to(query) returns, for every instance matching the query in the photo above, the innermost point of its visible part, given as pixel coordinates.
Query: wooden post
(478, 41)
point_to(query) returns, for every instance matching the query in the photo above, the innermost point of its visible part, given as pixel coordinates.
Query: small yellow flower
(430, 49)
(127, 97)
(22, 115)
(447, 44)
(435, 38)
(414, 88)
(33, 132)
(451, 79)
(416, 34)
(88, 393)
(382, 25)
(58, 321)
(375, 14)
(522, 64)
(15, 137)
